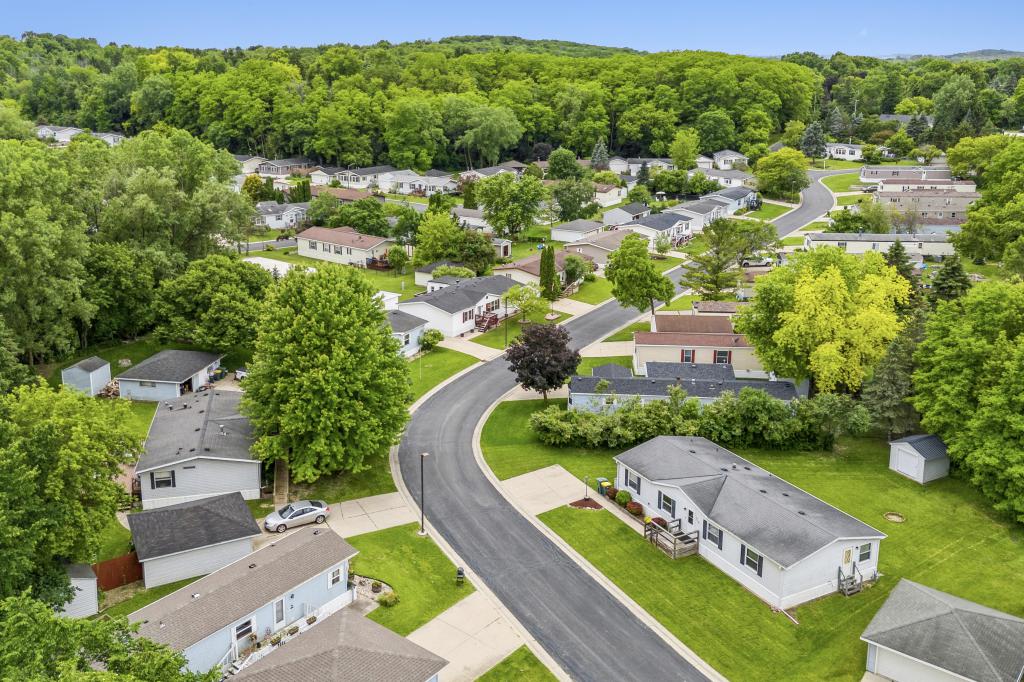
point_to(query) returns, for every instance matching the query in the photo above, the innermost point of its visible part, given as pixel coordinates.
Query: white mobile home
(575, 230)
(407, 330)
(936, 245)
(620, 215)
(343, 245)
(454, 306)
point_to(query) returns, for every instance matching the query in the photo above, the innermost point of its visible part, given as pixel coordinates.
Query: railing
(675, 544)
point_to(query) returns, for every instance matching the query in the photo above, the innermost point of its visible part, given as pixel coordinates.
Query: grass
(587, 365)
(411, 198)
(495, 338)
(986, 270)
(842, 183)
(266, 235)
(510, 447)
(260, 508)
(820, 226)
(434, 366)
(851, 199)
(141, 416)
(792, 241)
(521, 665)
(144, 597)
(114, 540)
(626, 334)
(419, 572)
(375, 480)
(978, 557)
(696, 245)
(598, 291)
(385, 280)
(684, 302)
(768, 211)
(523, 249)
(842, 164)
(665, 263)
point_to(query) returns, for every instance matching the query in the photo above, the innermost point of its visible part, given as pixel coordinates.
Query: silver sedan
(297, 514)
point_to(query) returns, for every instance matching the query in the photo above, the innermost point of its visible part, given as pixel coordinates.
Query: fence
(118, 571)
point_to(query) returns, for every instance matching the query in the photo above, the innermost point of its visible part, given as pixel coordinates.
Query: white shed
(86, 602)
(921, 458)
(89, 375)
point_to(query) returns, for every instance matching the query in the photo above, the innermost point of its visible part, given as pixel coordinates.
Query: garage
(920, 458)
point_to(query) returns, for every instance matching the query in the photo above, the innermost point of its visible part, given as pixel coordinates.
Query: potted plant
(311, 619)
(293, 630)
(276, 639)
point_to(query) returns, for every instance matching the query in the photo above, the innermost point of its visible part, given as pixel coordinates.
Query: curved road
(589, 632)
(815, 201)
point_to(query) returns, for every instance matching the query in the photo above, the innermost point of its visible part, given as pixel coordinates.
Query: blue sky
(767, 27)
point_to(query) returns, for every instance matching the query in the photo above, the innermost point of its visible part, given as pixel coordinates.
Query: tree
(781, 174)
(476, 251)
(12, 125)
(365, 215)
(47, 440)
(599, 157)
(837, 123)
(300, 192)
(639, 194)
(40, 644)
(926, 153)
(254, 188)
(439, 238)
(574, 198)
(951, 281)
(888, 392)
(896, 257)
(662, 243)
(684, 148)
(398, 258)
(700, 184)
(413, 133)
(826, 315)
(12, 372)
(491, 130)
(541, 358)
(121, 281)
(526, 299)
(327, 390)
(714, 271)
(562, 165)
(812, 143)
(403, 222)
(635, 280)
(550, 286)
(900, 144)
(510, 204)
(643, 176)
(575, 269)
(468, 189)
(452, 271)
(918, 129)
(212, 303)
(793, 134)
(712, 275)
(716, 130)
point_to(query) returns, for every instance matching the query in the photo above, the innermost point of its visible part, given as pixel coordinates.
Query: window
(334, 578)
(243, 629)
(327, 247)
(666, 504)
(865, 552)
(493, 305)
(751, 558)
(722, 357)
(405, 339)
(348, 251)
(161, 479)
(714, 534)
(689, 516)
(688, 355)
(338, 250)
(632, 481)
(467, 315)
(841, 245)
(147, 384)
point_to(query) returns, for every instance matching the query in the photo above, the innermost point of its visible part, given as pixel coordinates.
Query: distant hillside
(973, 56)
(467, 44)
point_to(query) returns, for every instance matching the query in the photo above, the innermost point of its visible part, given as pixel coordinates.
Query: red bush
(660, 521)
(611, 491)
(635, 508)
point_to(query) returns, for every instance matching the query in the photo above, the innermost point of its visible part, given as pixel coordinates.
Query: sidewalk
(607, 349)
(478, 351)
(567, 305)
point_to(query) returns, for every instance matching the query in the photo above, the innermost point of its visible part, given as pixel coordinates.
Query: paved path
(816, 201)
(567, 305)
(589, 632)
(477, 350)
(608, 349)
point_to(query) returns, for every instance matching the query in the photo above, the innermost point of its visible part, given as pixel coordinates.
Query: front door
(848, 561)
(279, 614)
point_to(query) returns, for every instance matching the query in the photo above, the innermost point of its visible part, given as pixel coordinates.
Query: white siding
(89, 383)
(134, 389)
(168, 569)
(199, 478)
(900, 668)
(347, 256)
(85, 602)
(559, 235)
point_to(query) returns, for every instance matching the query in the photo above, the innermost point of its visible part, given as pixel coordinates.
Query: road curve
(815, 201)
(590, 633)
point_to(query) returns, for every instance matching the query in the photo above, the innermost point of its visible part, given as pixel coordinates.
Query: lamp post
(423, 527)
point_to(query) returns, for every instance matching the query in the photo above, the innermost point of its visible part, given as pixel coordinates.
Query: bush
(635, 508)
(311, 620)
(430, 339)
(623, 498)
(589, 277)
(657, 520)
(268, 247)
(612, 492)
(388, 600)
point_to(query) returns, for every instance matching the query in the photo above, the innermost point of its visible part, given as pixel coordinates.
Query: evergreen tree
(951, 281)
(599, 157)
(549, 284)
(917, 128)
(469, 195)
(887, 393)
(813, 142)
(300, 192)
(837, 123)
(896, 256)
(644, 175)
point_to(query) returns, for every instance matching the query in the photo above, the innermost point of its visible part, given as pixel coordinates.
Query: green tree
(365, 215)
(12, 372)
(714, 272)
(510, 204)
(439, 238)
(525, 298)
(901, 144)
(12, 125)
(541, 358)
(812, 143)
(599, 157)
(574, 199)
(662, 244)
(121, 282)
(951, 281)
(576, 268)
(327, 390)
(562, 165)
(452, 271)
(639, 194)
(300, 192)
(684, 148)
(825, 315)
(47, 440)
(550, 286)
(491, 130)
(636, 282)
(781, 174)
(413, 133)
(469, 194)
(887, 393)
(716, 130)
(253, 188)
(398, 258)
(793, 134)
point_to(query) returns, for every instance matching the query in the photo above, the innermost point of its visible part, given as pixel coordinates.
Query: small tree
(951, 281)
(562, 165)
(452, 271)
(662, 243)
(813, 141)
(684, 148)
(541, 358)
(635, 280)
(781, 174)
(887, 393)
(550, 287)
(643, 176)
(398, 258)
(300, 192)
(469, 194)
(575, 269)
(430, 339)
(639, 194)
(599, 157)
(526, 299)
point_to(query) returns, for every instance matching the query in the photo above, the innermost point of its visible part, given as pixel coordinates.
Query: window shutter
(659, 499)
(638, 482)
(760, 565)
(705, 531)
(152, 480)
(730, 357)
(172, 478)
(721, 535)
(743, 554)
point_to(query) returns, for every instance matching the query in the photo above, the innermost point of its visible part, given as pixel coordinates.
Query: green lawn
(385, 280)
(598, 291)
(626, 334)
(684, 302)
(141, 416)
(144, 597)
(841, 164)
(820, 226)
(987, 270)
(768, 211)
(587, 365)
(851, 199)
(260, 508)
(510, 448)
(419, 572)
(265, 235)
(376, 480)
(979, 557)
(792, 241)
(433, 367)
(115, 541)
(523, 249)
(842, 183)
(696, 245)
(412, 199)
(666, 263)
(495, 338)
(522, 666)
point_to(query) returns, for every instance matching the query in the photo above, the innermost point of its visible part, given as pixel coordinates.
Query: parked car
(758, 262)
(241, 373)
(297, 514)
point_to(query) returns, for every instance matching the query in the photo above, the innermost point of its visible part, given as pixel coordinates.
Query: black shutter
(720, 535)
(659, 499)
(172, 478)
(638, 484)
(705, 531)
(760, 564)
(152, 481)
(743, 554)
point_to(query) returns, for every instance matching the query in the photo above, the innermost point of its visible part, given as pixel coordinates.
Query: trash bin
(603, 485)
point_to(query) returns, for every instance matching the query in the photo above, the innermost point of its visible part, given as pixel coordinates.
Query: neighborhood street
(816, 201)
(589, 632)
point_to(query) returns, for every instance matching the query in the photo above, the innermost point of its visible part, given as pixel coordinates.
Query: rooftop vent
(162, 624)
(746, 467)
(252, 565)
(191, 449)
(223, 431)
(725, 468)
(195, 595)
(763, 491)
(785, 494)
(316, 532)
(802, 513)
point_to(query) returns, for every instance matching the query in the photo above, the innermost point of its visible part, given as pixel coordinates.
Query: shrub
(430, 339)
(375, 586)
(589, 277)
(293, 630)
(623, 498)
(657, 520)
(635, 508)
(311, 620)
(388, 600)
(275, 640)
(612, 492)
(268, 247)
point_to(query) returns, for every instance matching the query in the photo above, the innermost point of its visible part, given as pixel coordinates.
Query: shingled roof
(171, 366)
(191, 525)
(928, 446)
(463, 293)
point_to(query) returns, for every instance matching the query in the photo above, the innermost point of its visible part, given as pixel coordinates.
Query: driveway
(816, 201)
(591, 634)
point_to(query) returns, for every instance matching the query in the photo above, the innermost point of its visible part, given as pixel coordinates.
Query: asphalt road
(816, 201)
(590, 633)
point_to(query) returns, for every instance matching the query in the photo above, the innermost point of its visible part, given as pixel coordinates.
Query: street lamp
(423, 527)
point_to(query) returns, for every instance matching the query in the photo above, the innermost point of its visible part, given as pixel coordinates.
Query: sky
(764, 28)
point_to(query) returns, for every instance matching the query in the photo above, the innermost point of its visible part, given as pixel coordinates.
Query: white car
(241, 373)
(758, 262)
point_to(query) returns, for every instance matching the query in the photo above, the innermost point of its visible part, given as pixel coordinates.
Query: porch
(672, 539)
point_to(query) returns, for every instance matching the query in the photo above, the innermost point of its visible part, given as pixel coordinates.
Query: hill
(564, 48)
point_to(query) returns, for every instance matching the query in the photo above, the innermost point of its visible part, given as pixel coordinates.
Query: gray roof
(928, 446)
(612, 370)
(274, 208)
(648, 160)
(402, 322)
(465, 293)
(181, 619)
(726, 173)
(80, 572)
(191, 525)
(905, 118)
(659, 221)
(873, 237)
(695, 388)
(372, 170)
(433, 173)
(699, 207)
(774, 517)
(171, 366)
(329, 170)
(732, 193)
(580, 225)
(290, 161)
(727, 153)
(634, 208)
(190, 427)
(691, 370)
(346, 646)
(90, 364)
(463, 212)
(950, 633)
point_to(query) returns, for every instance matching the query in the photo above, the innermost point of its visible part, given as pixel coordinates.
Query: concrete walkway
(367, 514)
(544, 489)
(477, 350)
(567, 305)
(607, 349)
(473, 636)
(520, 393)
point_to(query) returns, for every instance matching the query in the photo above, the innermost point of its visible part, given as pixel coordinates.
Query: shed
(168, 374)
(921, 458)
(88, 376)
(86, 602)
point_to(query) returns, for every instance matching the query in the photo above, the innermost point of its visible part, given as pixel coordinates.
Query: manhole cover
(895, 517)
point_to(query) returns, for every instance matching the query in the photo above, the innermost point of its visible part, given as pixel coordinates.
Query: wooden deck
(672, 540)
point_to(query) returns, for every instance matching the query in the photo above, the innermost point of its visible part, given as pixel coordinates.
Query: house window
(841, 245)
(312, 245)
(334, 578)
(147, 384)
(327, 247)
(348, 251)
(865, 552)
(243, 629)
(688, 355)
(666, 504)
(715, 535)
(467, 315)
(405, 339)
(493, 305)
(633, 481)
(722, 357)
(689, 516)
(161, 479)
(751, 558)
(337, 250)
